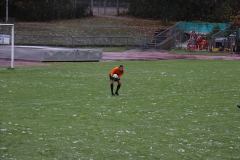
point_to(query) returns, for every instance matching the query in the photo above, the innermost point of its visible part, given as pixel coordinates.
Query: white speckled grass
(166, 110)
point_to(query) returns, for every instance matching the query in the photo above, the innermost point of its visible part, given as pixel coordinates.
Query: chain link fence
(114, 7)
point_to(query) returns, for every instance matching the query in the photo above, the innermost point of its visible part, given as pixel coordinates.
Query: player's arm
(113, 71)
(120, 74)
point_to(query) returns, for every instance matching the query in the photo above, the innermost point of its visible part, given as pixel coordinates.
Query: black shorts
(115, 79)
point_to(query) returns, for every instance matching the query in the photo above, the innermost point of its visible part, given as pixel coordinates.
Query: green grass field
(176, 109)
(183, 51)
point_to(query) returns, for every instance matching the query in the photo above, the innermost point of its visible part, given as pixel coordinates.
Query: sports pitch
(175, 109)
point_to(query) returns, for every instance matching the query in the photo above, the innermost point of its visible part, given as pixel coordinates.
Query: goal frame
(12, 42)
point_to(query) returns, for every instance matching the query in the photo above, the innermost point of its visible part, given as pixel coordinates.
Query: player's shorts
(115, 79)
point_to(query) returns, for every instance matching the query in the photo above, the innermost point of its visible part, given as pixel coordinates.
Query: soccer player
(119, 71)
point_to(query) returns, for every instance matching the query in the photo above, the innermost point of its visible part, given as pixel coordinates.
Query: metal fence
(226, 32)
(110, 6)
(103, 41)
(173, 37)
(165, 39)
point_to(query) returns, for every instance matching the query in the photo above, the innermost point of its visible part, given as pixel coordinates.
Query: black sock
(118, 87)
(111, 86)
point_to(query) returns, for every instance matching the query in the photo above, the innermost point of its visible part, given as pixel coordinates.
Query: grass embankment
(90, 31)
(92, 26)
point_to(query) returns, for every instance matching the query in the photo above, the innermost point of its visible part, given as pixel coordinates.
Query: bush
(42, 10)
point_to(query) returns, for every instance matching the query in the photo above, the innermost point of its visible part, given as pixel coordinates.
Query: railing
(161, 38)
(103, 41)
(223, 33)
(170, 31)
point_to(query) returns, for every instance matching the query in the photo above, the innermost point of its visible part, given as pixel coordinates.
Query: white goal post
(6, 40)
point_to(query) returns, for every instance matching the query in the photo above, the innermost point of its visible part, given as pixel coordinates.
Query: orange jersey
(116, 71)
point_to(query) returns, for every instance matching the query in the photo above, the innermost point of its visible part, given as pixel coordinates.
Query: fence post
(92, 41)
(105, 3)
(132, 42)
(141, 42)
(98, 5)
(211, 42)
(110, 41)
(181, 40)
(117, 7)
(155, 39)
(73, 41)
(92, 6)
(174, 40)
(44, 42)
